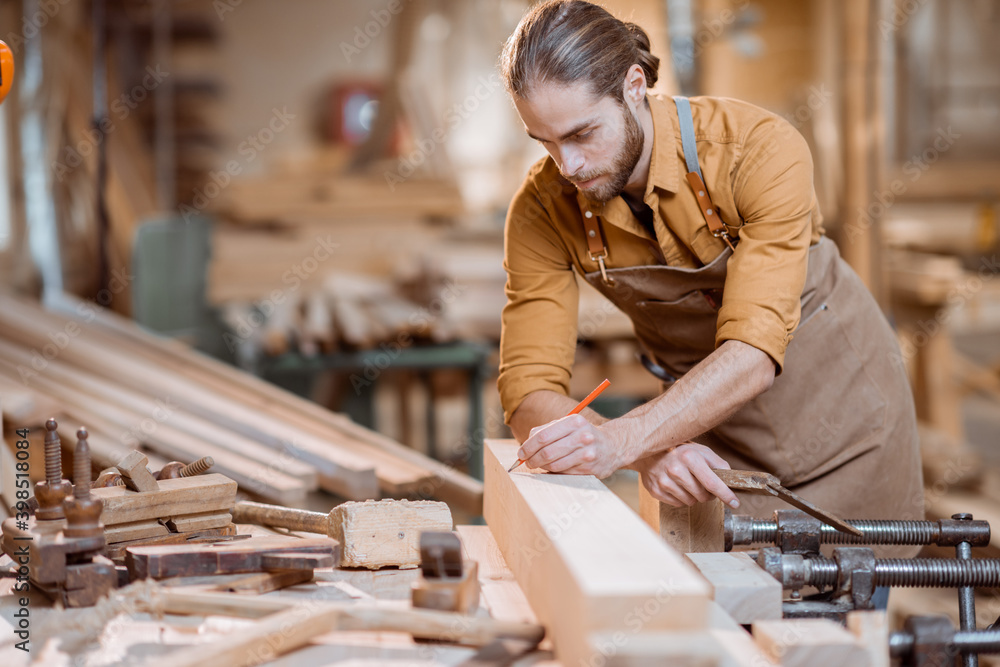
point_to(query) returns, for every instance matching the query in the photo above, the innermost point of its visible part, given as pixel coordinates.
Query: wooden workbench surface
(79, 638)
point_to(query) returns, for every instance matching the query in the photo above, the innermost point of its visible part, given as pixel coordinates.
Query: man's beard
(622, 166)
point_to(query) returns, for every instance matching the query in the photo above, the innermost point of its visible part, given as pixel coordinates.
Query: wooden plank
(745, 591)
(694, 529)
(441, 481)
(736, 646)
(127, 427)
(341, 470)
(185, 495)
(385, 533)
(161, 562)
(809, 642)
(199, 521)
(586, 562)
(500, 593)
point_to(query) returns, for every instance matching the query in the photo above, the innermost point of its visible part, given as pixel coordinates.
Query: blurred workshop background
(315, 190)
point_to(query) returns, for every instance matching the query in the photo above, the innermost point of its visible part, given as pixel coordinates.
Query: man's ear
(634, 91)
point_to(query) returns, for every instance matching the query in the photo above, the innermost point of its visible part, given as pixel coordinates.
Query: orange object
(578, 409)
(6, 70)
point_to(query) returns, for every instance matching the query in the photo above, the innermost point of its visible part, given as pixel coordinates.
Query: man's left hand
(575, 446)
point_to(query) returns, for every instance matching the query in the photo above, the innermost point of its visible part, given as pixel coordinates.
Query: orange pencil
(579, 408)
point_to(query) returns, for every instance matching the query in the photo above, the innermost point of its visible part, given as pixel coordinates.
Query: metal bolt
(81, 466)
(197, 467)
(916, 573)
(53, 453)
(966, 594)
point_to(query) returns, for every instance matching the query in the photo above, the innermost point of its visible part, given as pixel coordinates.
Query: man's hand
(683, 476)
(573, 445)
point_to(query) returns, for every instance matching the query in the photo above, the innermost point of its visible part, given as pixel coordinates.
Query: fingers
(542, 436)
(711, 482)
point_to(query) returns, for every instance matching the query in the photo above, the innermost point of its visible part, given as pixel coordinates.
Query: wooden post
(695, 529)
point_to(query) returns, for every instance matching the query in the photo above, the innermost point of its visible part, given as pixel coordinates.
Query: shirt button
(589, 214)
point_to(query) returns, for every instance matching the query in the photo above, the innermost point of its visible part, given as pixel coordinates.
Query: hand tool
(764, 483)
(579, 408)
(796, 532)
(63, 556)
(447, 583)
(933, 640)
(853, 574)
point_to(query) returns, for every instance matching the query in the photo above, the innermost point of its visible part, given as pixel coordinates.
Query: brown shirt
(759, 173)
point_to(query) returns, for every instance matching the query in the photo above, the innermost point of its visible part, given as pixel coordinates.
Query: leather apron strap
(694, 178)
(592, 226)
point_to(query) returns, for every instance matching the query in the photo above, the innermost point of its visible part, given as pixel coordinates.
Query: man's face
(596, 143)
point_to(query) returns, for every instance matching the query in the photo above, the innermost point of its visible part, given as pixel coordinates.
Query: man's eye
(583, 136)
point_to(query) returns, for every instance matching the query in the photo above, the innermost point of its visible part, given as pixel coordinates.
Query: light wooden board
(186, 495)
(871, 629)
(745, 591)
(587, 563)
(809, 642)
(134, 530)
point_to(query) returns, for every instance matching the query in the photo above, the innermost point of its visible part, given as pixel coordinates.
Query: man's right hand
(683, 476)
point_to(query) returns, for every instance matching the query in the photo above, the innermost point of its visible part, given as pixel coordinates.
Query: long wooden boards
(586, 561)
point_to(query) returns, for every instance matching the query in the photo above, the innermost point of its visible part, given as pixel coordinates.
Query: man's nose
(572, 160)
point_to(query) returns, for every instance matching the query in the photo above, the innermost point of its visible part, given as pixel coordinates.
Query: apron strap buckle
(608, 280)
(724, 235)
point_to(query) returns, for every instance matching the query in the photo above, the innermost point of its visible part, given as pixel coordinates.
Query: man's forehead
(555, 108)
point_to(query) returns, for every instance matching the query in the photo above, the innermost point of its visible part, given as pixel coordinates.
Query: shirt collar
(663, 165)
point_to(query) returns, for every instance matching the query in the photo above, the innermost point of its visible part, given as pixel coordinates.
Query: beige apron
(838, 425)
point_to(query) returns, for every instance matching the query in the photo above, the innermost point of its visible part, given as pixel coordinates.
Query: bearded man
(698, 219)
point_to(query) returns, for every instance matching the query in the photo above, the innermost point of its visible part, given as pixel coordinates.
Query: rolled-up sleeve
(774, 193)
(538, 339)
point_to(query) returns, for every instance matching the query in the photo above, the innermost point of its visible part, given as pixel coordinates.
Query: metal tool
(765, 483)
(796, 532)
(853, 574)
(927, 641)
(579, 408)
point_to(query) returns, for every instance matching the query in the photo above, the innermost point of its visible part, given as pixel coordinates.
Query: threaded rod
(197, 467)
(53, 454)
(917, 573)
(873, 531)
(81, 466)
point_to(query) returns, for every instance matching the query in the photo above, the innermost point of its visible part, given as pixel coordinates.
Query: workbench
(134, 638)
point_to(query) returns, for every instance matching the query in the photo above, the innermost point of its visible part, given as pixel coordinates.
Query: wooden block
(745, 591)
(871, 629)
(295, 560)
(160, 562)
(458, 594)
(384, 533)
(185, 495)
(585, 561)
(200, 521)
(695, 529)
(736, 646)
(809, 642)
(135, 530)
(135, 474)
(116, 550)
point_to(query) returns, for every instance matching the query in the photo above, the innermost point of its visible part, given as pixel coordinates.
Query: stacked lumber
(318, 187)
(131, 386)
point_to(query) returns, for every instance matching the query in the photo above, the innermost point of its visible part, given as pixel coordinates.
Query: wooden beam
(586, 562)
(184, 495)
(695, 529)
(745, 591)
(809, 642)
